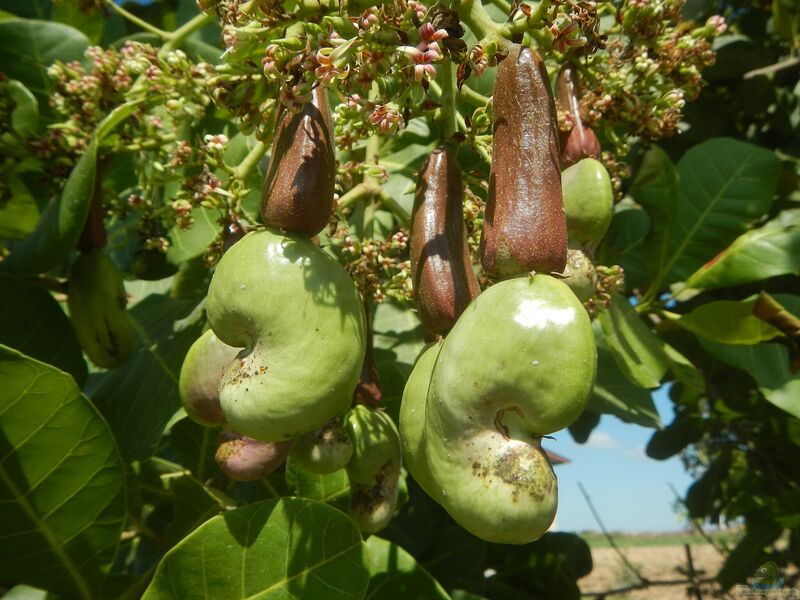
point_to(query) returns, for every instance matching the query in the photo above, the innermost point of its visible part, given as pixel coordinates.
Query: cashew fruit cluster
(472, 419)
(239, 457)
(479, 401)
(298, 318)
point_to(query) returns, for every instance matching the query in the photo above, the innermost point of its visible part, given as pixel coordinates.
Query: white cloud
(601, 439)
(637, 453)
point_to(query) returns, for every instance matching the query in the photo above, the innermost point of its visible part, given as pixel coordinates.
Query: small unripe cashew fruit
(412, 419)
(201, 373)
(324, 450)
(487, 410)
(374, 469)
(298, 316)
(242, 458)
(580, 274)
(588, 201)
(97, 301)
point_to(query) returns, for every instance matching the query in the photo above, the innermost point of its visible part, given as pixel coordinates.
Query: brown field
(657, 562)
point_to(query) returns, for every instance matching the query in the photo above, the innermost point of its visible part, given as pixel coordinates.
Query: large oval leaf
(34, 324)
(725, 186)
(287, 548)
(728, 322)
(768, 251)
(28, 47)
(140, 398)
(61, 481)
(637, 350)
(396, 575)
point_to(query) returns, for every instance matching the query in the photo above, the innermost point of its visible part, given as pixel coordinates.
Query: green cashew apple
(412, 419)
(588, 201)
(299, 318)
(242, 458)
(519, 364)
(201, 373)
(580, 274)
(97, 301)
(374, 469)
(324, 450)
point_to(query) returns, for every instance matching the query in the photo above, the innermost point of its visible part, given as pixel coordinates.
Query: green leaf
(769, 251)
(581, 429)
(727, 322)
(547, 568)
(656, 187)
(637, 350)
(139, 398)
(288, 548)
(684, 430)
(616, 395)
(191, 243)
(193, 504)
(62, 221)
(333, 487)
(25, 116)
(34, 324)
(20, 213)
(61, 481)
(88, 21)
(456, 558)
(195, 447)
(29, 9)
(398, 329)
(28, 47)
(749, 554)
(623, 244)
(394, 574)
(768, 363)
(402, 155)
(725, 186)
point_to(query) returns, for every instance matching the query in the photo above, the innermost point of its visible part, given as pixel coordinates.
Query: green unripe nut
(588, 201)
(97, 302)
(324, 450)
(487, 410)
(412, 419)
(374, 469)
(201, 374)
(580, 274)
(299, 318)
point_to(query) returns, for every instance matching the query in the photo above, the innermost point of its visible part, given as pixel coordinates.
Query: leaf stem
(250, 161)
(449, 111)
(176, 38)
(467, 94)
(474, 15)
(141, 23)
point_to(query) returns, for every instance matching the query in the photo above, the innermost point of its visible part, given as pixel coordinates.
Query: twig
(607, 535)
(697, 527)
(694, 589)
(643, 585)
(141, 23)
(792, 61)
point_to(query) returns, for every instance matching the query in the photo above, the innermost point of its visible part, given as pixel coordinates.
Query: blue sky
(629, 490)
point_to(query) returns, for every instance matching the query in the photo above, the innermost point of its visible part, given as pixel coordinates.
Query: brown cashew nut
(524, 228)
